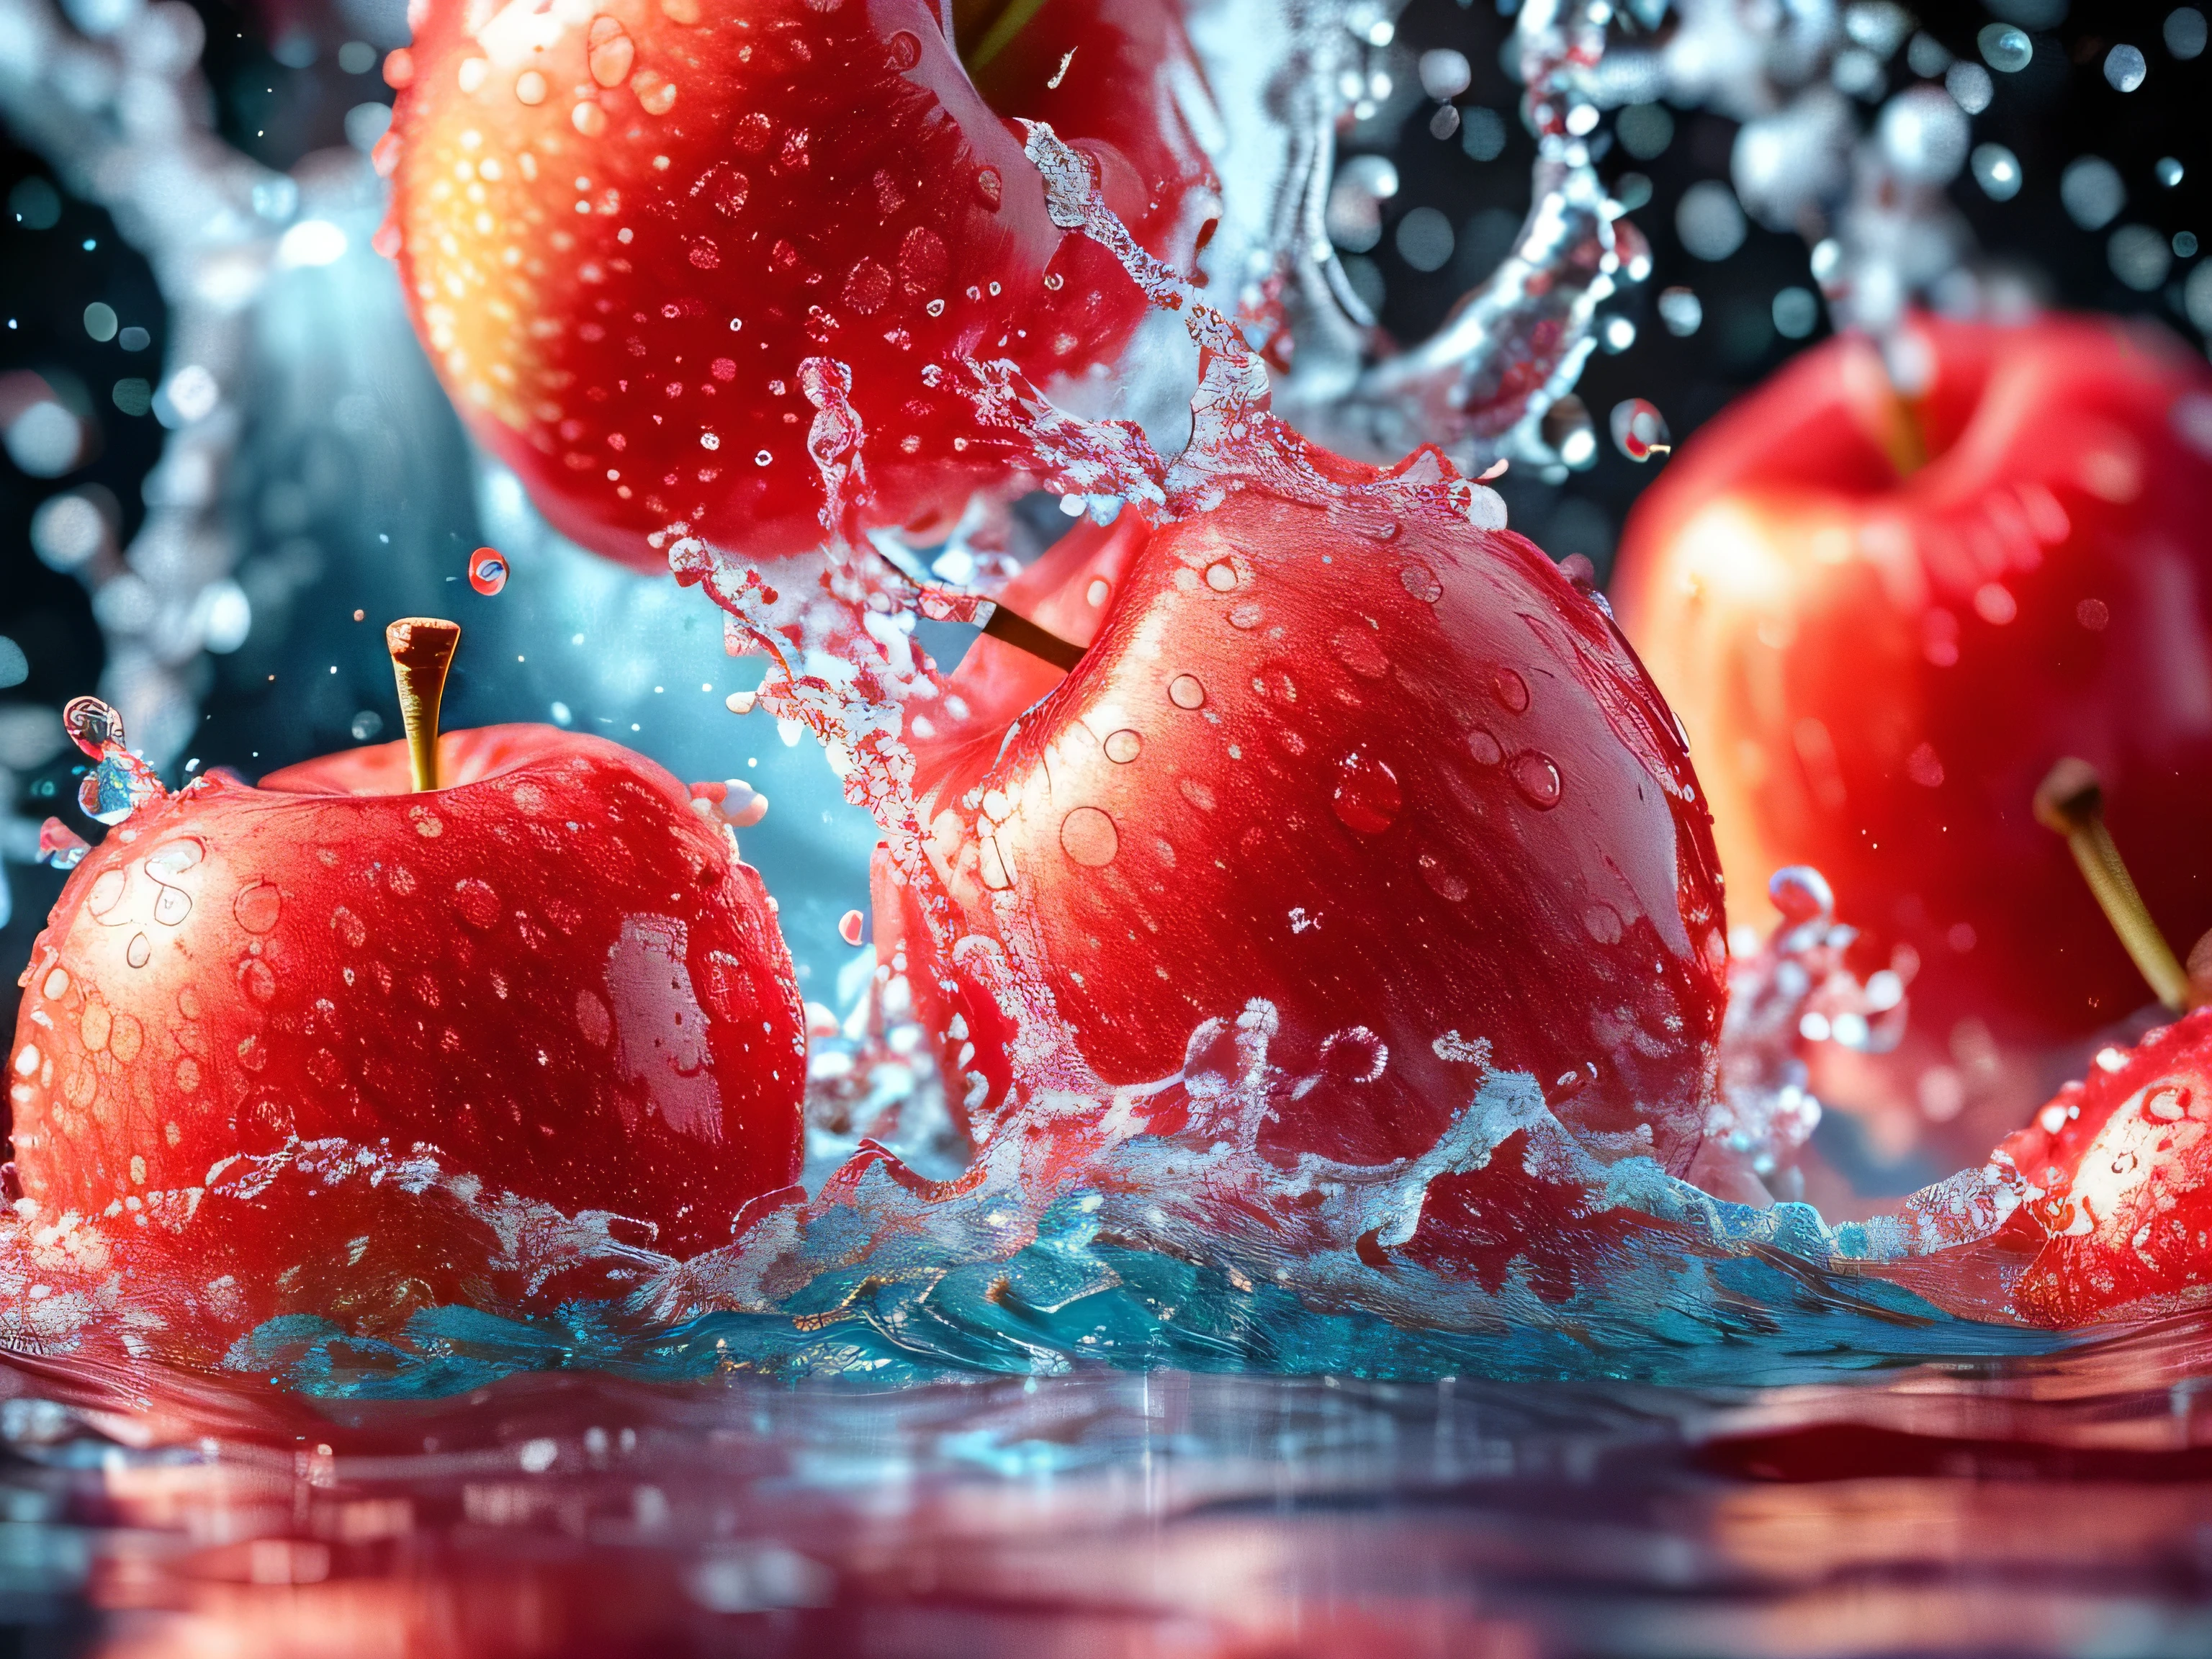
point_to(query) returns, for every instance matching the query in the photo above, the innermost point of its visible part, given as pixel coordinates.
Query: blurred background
(137, 297)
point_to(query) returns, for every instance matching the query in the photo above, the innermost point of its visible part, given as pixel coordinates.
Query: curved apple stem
(2071, 801)
(422, 650)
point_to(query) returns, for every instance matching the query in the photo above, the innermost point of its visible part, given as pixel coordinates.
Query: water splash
(487, 570)
(1788, 992)
(1096, 1224)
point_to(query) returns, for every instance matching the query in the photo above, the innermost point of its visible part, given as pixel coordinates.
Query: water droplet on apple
(106, 891)
(1246, 615)
(349, 927)
(989, 190)
(1099, 592)
(173, 904)
(1537, 778)
(257, 978)
(1187, 691)
(1357, 649)
(1124, 747)
(906, 50)
(1221, 575)
(258, 906)
(487, 571)
(610, 51)
(477, 902)
(1511, 690)
(1367, 797)
(1088, 837)
(1485, 748)
(139, 951)
(1421, 582)
(1602, 923)
(1444, 881)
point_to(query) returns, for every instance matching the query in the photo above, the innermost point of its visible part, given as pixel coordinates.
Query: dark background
(282, 91)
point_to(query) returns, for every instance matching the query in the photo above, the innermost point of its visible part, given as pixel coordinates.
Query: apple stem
(1018, 631)
(422, 650)
(2071, 801)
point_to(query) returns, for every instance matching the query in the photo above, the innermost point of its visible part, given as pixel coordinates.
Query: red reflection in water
(2028, 1507)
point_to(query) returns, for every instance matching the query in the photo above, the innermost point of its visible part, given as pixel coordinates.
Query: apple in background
(1390, 772)
(1883, 615)
(552, 970)
(622, 230)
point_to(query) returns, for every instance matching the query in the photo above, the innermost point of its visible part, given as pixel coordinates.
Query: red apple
(622, 232)
(552, 972)
(2121, 1169)
(1390, 772)
(1882, 616)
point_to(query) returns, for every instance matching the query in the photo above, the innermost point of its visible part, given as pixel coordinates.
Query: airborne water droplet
(1639, 430)
(91, 725)
(1186, 691)
(1088, 837)
(487, 570)
(848, 928)
(2004, 48)
(1367, 798)
(1537, 778)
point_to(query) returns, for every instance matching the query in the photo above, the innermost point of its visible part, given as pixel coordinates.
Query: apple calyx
(2070, 802)
(422, 650)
